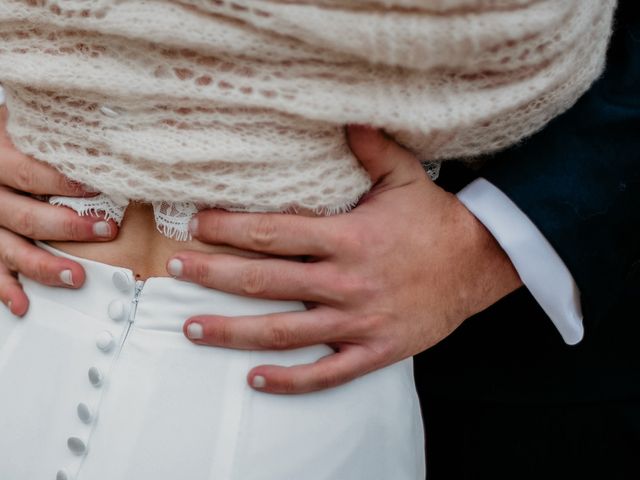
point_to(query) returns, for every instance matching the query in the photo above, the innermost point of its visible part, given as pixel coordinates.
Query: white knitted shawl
(241, 104)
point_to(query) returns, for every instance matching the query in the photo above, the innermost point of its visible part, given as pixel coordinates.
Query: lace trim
(92, 206)
(172, 218)
(432, 169)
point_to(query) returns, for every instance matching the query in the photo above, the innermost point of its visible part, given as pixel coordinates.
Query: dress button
(122, 281)
(117, 311)
(105, 341)
(62, 475)
(95, 376)
(76, 445)
(84, 412)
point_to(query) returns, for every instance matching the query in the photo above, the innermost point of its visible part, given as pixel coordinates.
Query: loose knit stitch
(241, 104)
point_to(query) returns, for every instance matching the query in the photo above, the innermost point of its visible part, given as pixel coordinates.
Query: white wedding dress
(101, 384)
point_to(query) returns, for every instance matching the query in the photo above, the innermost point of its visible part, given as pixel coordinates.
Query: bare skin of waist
(140, 247)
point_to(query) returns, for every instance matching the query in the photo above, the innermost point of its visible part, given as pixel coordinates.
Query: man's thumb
(381, 156)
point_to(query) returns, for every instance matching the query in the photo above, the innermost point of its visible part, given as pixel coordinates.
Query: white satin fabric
(540, 267)
(101, 384)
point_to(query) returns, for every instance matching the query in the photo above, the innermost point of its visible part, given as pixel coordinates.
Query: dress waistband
(111, 293)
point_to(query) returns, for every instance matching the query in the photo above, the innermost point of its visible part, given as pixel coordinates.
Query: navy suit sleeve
(578, 180)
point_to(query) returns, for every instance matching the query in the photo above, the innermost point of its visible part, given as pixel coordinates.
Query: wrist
(487, 272)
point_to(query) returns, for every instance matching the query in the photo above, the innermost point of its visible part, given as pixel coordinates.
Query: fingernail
(9, 304)
(195, 331)
(259, 382)
(102, 229)
(193, 226)
(66, 276)
(175, 267)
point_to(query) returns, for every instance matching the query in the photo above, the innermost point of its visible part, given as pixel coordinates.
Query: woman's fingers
(350, 362)
(19, 255)
(271, 278)
(40, 221)
(29, 175)
(276, 331)
(276, 234)
(11, 293)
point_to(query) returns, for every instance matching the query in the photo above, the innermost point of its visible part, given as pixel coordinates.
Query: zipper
(132, 311)
(134, 302)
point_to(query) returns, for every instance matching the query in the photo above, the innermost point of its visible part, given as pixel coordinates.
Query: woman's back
(140, 247)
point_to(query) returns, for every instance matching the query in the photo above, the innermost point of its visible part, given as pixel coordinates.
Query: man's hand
(23, 218)
(386, 281)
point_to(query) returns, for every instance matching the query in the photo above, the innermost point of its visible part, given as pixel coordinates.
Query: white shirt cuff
(540, 268)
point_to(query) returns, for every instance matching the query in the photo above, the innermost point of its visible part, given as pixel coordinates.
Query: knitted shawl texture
(241, 104)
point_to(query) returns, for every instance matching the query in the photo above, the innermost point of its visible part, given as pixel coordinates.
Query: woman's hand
(388, 280)
(23, 219)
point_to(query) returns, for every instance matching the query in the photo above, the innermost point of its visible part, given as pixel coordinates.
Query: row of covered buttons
(117, 311)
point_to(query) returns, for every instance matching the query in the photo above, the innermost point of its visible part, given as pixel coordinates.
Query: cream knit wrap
(241, 104)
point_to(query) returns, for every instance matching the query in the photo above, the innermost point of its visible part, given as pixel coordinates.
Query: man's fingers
(40, 221)
(276, 234)
(19, 255)
(270, 278)
(277, 331)
(11, 293)
(350, 362)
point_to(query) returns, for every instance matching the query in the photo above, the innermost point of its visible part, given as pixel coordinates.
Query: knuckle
(368, 288)
(331, 379)
(353, 326)
(65, 184)
(41, 269)
(253, 280)
(211, 226)
(25, 222)
(262, 232)
(8, 258)
(356, 287)
(381, 146)
(279, 337)
(288, 385)
(385, 351)
(202, 273)
(222, 334)
(376, 320)
(382, 350)
(70, 229)
(350, 241)
(353, 285)
(25, 176)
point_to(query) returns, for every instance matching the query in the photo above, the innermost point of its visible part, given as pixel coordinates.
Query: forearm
(541, 269)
